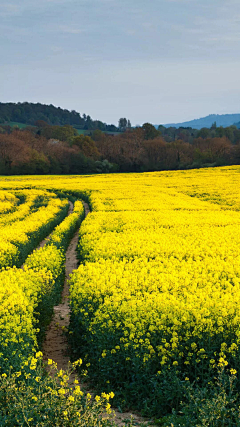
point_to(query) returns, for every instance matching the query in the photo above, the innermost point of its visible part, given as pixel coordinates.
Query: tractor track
(56, 346)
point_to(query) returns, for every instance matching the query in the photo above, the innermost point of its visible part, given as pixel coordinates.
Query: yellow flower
(60, 373)
(39, 354)
(78, 391)
(108, 408)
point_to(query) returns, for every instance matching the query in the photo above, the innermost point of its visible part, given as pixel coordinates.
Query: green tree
(150, 132)
(204, 133)
(86, 145)
(122, 124)
(62, 133)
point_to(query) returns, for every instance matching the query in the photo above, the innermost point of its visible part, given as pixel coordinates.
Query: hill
(29, 113)
(224, 120)
(237, 124)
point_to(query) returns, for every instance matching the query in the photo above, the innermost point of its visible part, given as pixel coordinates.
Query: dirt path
(55, 346)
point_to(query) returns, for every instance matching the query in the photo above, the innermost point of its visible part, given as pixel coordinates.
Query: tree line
(54, 149)
(29, 113)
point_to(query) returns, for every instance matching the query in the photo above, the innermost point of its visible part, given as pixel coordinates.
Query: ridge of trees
(53, 149)
(29, 113)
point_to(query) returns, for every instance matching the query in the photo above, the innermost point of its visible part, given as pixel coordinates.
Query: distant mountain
(206, 122)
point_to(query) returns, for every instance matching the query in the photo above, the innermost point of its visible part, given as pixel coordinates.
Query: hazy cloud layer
(162, 61)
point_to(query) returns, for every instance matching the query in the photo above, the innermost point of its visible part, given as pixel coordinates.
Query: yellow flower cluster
(8, 202)
(18, 297)
(67, 227)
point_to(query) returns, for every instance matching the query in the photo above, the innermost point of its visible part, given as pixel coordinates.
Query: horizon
(163, 62)
(133, 125)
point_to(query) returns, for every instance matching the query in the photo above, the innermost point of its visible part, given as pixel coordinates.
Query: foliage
(62, 133)
(124, 124)
(86, 145)
(31, 153)
(29, 113)
(215, 405)
(150, 132)
(58, 149)
(30, 398)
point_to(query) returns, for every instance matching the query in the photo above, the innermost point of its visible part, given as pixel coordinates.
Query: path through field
(55, 346)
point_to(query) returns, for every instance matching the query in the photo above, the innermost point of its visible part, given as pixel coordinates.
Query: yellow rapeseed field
(156, 299)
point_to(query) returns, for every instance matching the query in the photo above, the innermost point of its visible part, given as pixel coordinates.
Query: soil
(55, 346)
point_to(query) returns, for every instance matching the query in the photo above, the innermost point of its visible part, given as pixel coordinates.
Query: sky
(160, 61)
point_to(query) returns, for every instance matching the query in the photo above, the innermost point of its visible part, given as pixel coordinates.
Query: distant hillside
(206, 122)
(29, 113)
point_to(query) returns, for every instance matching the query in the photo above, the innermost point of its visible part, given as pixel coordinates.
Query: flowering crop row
(22, 230)
(27, 295)
(7, 202)
(64, 231)
(27, 201)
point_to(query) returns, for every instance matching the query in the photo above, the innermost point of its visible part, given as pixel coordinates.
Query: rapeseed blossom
(157, 293)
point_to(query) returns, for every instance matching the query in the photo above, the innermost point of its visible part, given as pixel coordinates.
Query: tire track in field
(56, 346)
(43, 242)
